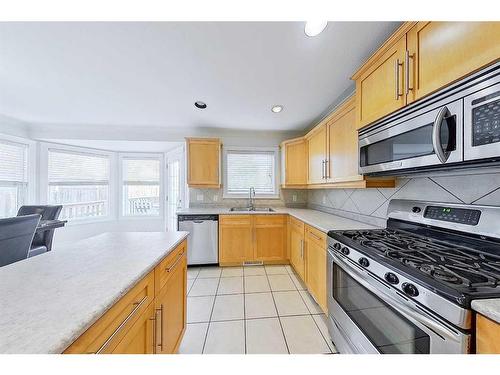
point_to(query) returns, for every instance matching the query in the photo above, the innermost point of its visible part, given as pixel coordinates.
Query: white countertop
(490, 308)
(49, 300)
(317, 219)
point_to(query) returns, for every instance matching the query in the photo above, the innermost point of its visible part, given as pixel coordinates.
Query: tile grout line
(277, 313)
(210, 318)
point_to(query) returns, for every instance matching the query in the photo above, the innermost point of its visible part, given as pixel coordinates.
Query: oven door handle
(430, 323)
(436, 134)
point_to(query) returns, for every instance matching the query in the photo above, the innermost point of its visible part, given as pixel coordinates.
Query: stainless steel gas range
(408, 288)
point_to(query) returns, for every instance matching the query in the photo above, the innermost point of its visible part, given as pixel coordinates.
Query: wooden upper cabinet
(343, 144)
(316, 146)
(295, 162)
(443, 52)
(270, 237)
(203, 162)
(379, 87)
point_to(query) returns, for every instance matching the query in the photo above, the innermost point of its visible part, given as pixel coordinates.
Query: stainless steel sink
(254, 209)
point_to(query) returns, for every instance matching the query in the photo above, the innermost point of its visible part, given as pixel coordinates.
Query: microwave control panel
(486, 120)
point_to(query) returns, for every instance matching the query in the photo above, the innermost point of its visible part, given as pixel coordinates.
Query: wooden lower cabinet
(487, 336)
(316, 264)
(139, 338)
(297, 246)
(252, 238)
(235, 239)
(147, 319)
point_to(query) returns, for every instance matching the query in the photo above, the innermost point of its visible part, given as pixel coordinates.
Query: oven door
(367, 316)
(482, 124)
(430, 139)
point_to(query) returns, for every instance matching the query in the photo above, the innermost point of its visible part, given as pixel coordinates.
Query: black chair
(42, 242)
(16, 235)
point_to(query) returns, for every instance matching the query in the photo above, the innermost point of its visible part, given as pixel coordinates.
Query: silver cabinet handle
(323, 169)
(168, 269)
(122, 324)
(436, 134)
(407, 68)
(327, 168)
(160, 324)
(397, 64)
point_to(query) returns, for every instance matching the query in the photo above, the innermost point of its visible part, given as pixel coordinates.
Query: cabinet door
(379, 90)
(487, 336)
(297, 247)
(343, 145)
(296, 163)
(442, 52)
(270, 237)
(139, 338)
(316, 265)
(316, 145)
(235, 239)
(203, 159)
(171, 309)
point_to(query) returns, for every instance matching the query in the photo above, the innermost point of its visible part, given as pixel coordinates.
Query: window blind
(141, 171)
(13, 163)
(247, 169)
(71, 168)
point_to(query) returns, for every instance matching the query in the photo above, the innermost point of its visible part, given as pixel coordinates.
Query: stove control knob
(391, 278)
(416, 209)
(364, 262)
(337, 246)
(410, 289)
(345, 251)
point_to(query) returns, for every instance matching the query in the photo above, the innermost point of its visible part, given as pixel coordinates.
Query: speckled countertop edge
(490, 308)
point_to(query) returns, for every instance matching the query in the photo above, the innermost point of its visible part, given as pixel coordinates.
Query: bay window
(13, 177)
(141, 186)
(80, 182)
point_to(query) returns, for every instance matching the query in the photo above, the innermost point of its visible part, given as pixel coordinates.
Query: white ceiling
(150, 74)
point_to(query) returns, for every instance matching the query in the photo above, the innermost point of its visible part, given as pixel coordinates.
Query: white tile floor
(253, 310)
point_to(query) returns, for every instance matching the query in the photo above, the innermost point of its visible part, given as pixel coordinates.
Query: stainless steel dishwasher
(203, 242)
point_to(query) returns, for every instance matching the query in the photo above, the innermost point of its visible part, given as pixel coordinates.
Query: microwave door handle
(436, 134)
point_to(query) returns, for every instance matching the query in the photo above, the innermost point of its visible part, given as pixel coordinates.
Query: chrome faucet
(251, 198)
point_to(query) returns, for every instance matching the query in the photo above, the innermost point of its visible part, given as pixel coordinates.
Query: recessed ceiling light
(200, 105)
(277, 108)
(313, 28)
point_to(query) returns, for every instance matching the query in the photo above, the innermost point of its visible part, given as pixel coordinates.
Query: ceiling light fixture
(200, 105)
(314, 28)
(277, 108)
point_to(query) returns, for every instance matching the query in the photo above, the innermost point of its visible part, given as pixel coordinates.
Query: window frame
(112, 178)
(273, 150)
(31, 168)
(140, 156)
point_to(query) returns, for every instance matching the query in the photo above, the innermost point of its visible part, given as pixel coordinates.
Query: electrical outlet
(216, 198)
(199, 197)
(294, 198)
(324, 199)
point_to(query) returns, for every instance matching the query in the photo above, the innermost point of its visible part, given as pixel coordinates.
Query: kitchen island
(50, 300)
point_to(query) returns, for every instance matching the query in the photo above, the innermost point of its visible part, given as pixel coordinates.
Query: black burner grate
(447, 263)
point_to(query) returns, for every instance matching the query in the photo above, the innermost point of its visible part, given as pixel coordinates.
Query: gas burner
(453, 265)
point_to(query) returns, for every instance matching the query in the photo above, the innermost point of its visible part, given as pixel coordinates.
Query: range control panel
(486, 121)
(454, 215)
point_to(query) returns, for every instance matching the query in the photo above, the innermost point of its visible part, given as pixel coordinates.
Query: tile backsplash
(213, 197)
(372, 203)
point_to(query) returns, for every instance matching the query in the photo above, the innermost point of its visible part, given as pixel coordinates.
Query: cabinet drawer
(316, 236)
(236, 220)
(105, 334)
(270, 220)
(167, 266)
(297, 224)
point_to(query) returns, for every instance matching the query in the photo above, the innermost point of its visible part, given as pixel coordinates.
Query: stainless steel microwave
(458, 127)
